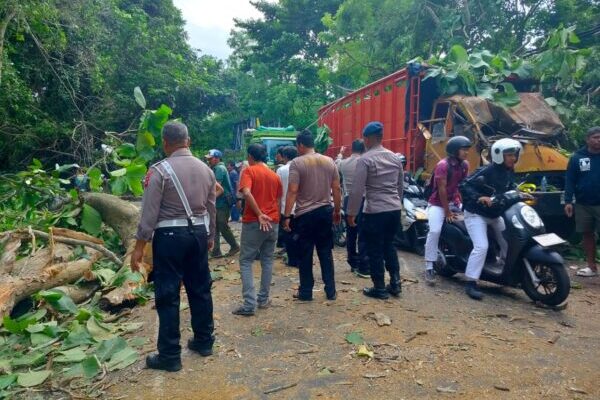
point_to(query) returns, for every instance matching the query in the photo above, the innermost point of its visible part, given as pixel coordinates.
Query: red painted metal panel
(383, 100)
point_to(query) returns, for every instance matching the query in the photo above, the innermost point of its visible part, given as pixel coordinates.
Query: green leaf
(118, 172)
(7, 380)
(126, 150)
(95, 176)
(29, 360)
(58, 299)
(91, 221)
(33, 378)
(551, 101)
(110, 347)
(139, 97)
(90, 366)
(354, 338)
(458, 54)
(38, 339)
(74, 355)
(78, 335)
(122, 359)
(119, 185)
(104, 275)
(98, 330)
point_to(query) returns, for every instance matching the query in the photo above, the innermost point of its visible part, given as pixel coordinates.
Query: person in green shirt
(224, 202)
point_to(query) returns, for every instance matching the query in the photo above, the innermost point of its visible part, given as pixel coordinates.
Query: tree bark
(16, 288)
(123, 217)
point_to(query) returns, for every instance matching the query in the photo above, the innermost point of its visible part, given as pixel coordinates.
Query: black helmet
(456, 143)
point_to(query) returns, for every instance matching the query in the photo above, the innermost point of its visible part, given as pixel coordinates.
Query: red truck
(418, 121)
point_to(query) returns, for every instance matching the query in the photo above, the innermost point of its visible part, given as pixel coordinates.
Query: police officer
(379, 175)
(178, 216)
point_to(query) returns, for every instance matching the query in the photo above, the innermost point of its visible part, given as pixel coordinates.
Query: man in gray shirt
(379, 176)
(313, 180)
(181, 227)
(358, 261)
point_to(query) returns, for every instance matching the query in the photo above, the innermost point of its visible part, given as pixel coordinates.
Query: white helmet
(505, 145)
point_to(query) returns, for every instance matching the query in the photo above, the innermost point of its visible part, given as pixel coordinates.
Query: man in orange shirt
(262, 191)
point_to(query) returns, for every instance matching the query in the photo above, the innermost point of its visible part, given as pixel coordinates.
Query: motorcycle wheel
(441, 266)
(554, 286)
(339, 233)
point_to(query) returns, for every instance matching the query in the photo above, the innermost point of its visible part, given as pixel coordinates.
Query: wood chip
(577, 390)
(502, 388)
(280, 388)
(414, 336)
(448, 389)
(375, 375)
(553, 339)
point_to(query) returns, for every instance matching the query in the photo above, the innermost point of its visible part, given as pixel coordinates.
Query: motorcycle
(414, 224)
(339, 231)
(531, 261)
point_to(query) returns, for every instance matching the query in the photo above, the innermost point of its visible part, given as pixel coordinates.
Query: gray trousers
(253, 241)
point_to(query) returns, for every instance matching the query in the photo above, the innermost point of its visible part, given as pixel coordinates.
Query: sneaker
(473, 291)
(247, 312)
(430, 277)
(587, 272)
(264, 304)
(216, 255)
(154, 361)
(232, 252)
(199, 348)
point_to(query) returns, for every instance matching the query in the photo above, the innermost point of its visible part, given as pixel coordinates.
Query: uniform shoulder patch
(148, 176)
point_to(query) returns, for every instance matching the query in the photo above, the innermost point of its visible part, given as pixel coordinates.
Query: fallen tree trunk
(80, 293)
(123, 217)
(16, 288)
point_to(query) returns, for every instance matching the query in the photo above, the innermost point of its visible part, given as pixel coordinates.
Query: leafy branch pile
(63, 348)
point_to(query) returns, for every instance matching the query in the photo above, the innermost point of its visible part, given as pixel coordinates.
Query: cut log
(16, 288)
(80, 293)
(123, 217)
(68, 233)
(120, 215)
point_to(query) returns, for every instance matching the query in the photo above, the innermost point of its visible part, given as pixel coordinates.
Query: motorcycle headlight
(420, 214)
(531, 217)
(516, 223)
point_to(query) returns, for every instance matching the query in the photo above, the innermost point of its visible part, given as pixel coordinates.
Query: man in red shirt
(262, 190)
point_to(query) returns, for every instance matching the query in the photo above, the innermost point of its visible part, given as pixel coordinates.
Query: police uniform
(180, 246)
(379, 175)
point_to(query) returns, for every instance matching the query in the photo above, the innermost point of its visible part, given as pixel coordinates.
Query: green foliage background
(69, 68)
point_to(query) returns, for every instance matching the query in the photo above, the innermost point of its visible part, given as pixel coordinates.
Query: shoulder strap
(178, 187)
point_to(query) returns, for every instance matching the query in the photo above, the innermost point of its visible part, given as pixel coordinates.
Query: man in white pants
(445, 199)
(476, 190)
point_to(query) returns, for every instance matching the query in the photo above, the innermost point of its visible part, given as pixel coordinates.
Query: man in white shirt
(288, 153)
(357, 257)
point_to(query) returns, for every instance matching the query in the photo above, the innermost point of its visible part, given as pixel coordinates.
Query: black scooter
(531, 262)
(414, 226)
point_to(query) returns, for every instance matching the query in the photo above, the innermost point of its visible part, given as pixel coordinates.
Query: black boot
(395, 286)
(376, 293)
(154, 361)
(472, 291)
(204, 349)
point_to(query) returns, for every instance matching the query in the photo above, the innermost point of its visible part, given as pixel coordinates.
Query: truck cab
(272, 139)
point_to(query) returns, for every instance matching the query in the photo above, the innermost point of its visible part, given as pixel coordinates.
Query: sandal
(587, 272)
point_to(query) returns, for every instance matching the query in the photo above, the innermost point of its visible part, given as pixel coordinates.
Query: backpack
(429, 189)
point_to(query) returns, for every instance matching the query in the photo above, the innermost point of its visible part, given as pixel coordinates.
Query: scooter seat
(460, 224)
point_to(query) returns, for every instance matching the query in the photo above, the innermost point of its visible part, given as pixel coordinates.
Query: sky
(208, 22)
